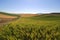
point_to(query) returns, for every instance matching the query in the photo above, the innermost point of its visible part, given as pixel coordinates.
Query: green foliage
(30, 29)
(47, 17)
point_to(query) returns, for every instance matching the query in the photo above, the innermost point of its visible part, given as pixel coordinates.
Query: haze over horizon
(29, 6)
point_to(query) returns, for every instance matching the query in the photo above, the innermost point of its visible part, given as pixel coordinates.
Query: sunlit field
(32, 28)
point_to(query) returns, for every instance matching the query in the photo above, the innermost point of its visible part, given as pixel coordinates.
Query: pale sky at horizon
(30, 6)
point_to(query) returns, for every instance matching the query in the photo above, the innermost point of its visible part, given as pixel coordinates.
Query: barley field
(32, 28)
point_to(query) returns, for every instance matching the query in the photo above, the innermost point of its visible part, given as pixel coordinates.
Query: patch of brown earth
(28, 15)
(7, 16)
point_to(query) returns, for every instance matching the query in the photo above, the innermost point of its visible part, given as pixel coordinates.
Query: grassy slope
(47, 17)
(6, 17)
(4, 13)
(43, 27)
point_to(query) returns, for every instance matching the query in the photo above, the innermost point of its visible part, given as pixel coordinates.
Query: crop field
(43, 27)
(6, 17)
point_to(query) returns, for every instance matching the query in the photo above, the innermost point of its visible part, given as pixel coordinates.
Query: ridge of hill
(28, 15)
(38, 14)
(7, 15)
(46, 17)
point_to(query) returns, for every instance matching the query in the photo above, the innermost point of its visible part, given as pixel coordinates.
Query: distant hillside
(51, 16)
(56, 13)
(28, 15)
(7, 15)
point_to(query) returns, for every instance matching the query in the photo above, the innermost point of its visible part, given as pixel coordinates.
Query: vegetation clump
(31, 29)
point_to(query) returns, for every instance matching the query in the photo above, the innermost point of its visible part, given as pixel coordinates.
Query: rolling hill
(31, 27)
(50, 17)
(28, 15)
(6, 17)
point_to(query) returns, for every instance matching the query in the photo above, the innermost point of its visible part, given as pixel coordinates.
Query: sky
(30, 6)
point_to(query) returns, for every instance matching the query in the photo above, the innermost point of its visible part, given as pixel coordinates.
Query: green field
(42, 27)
